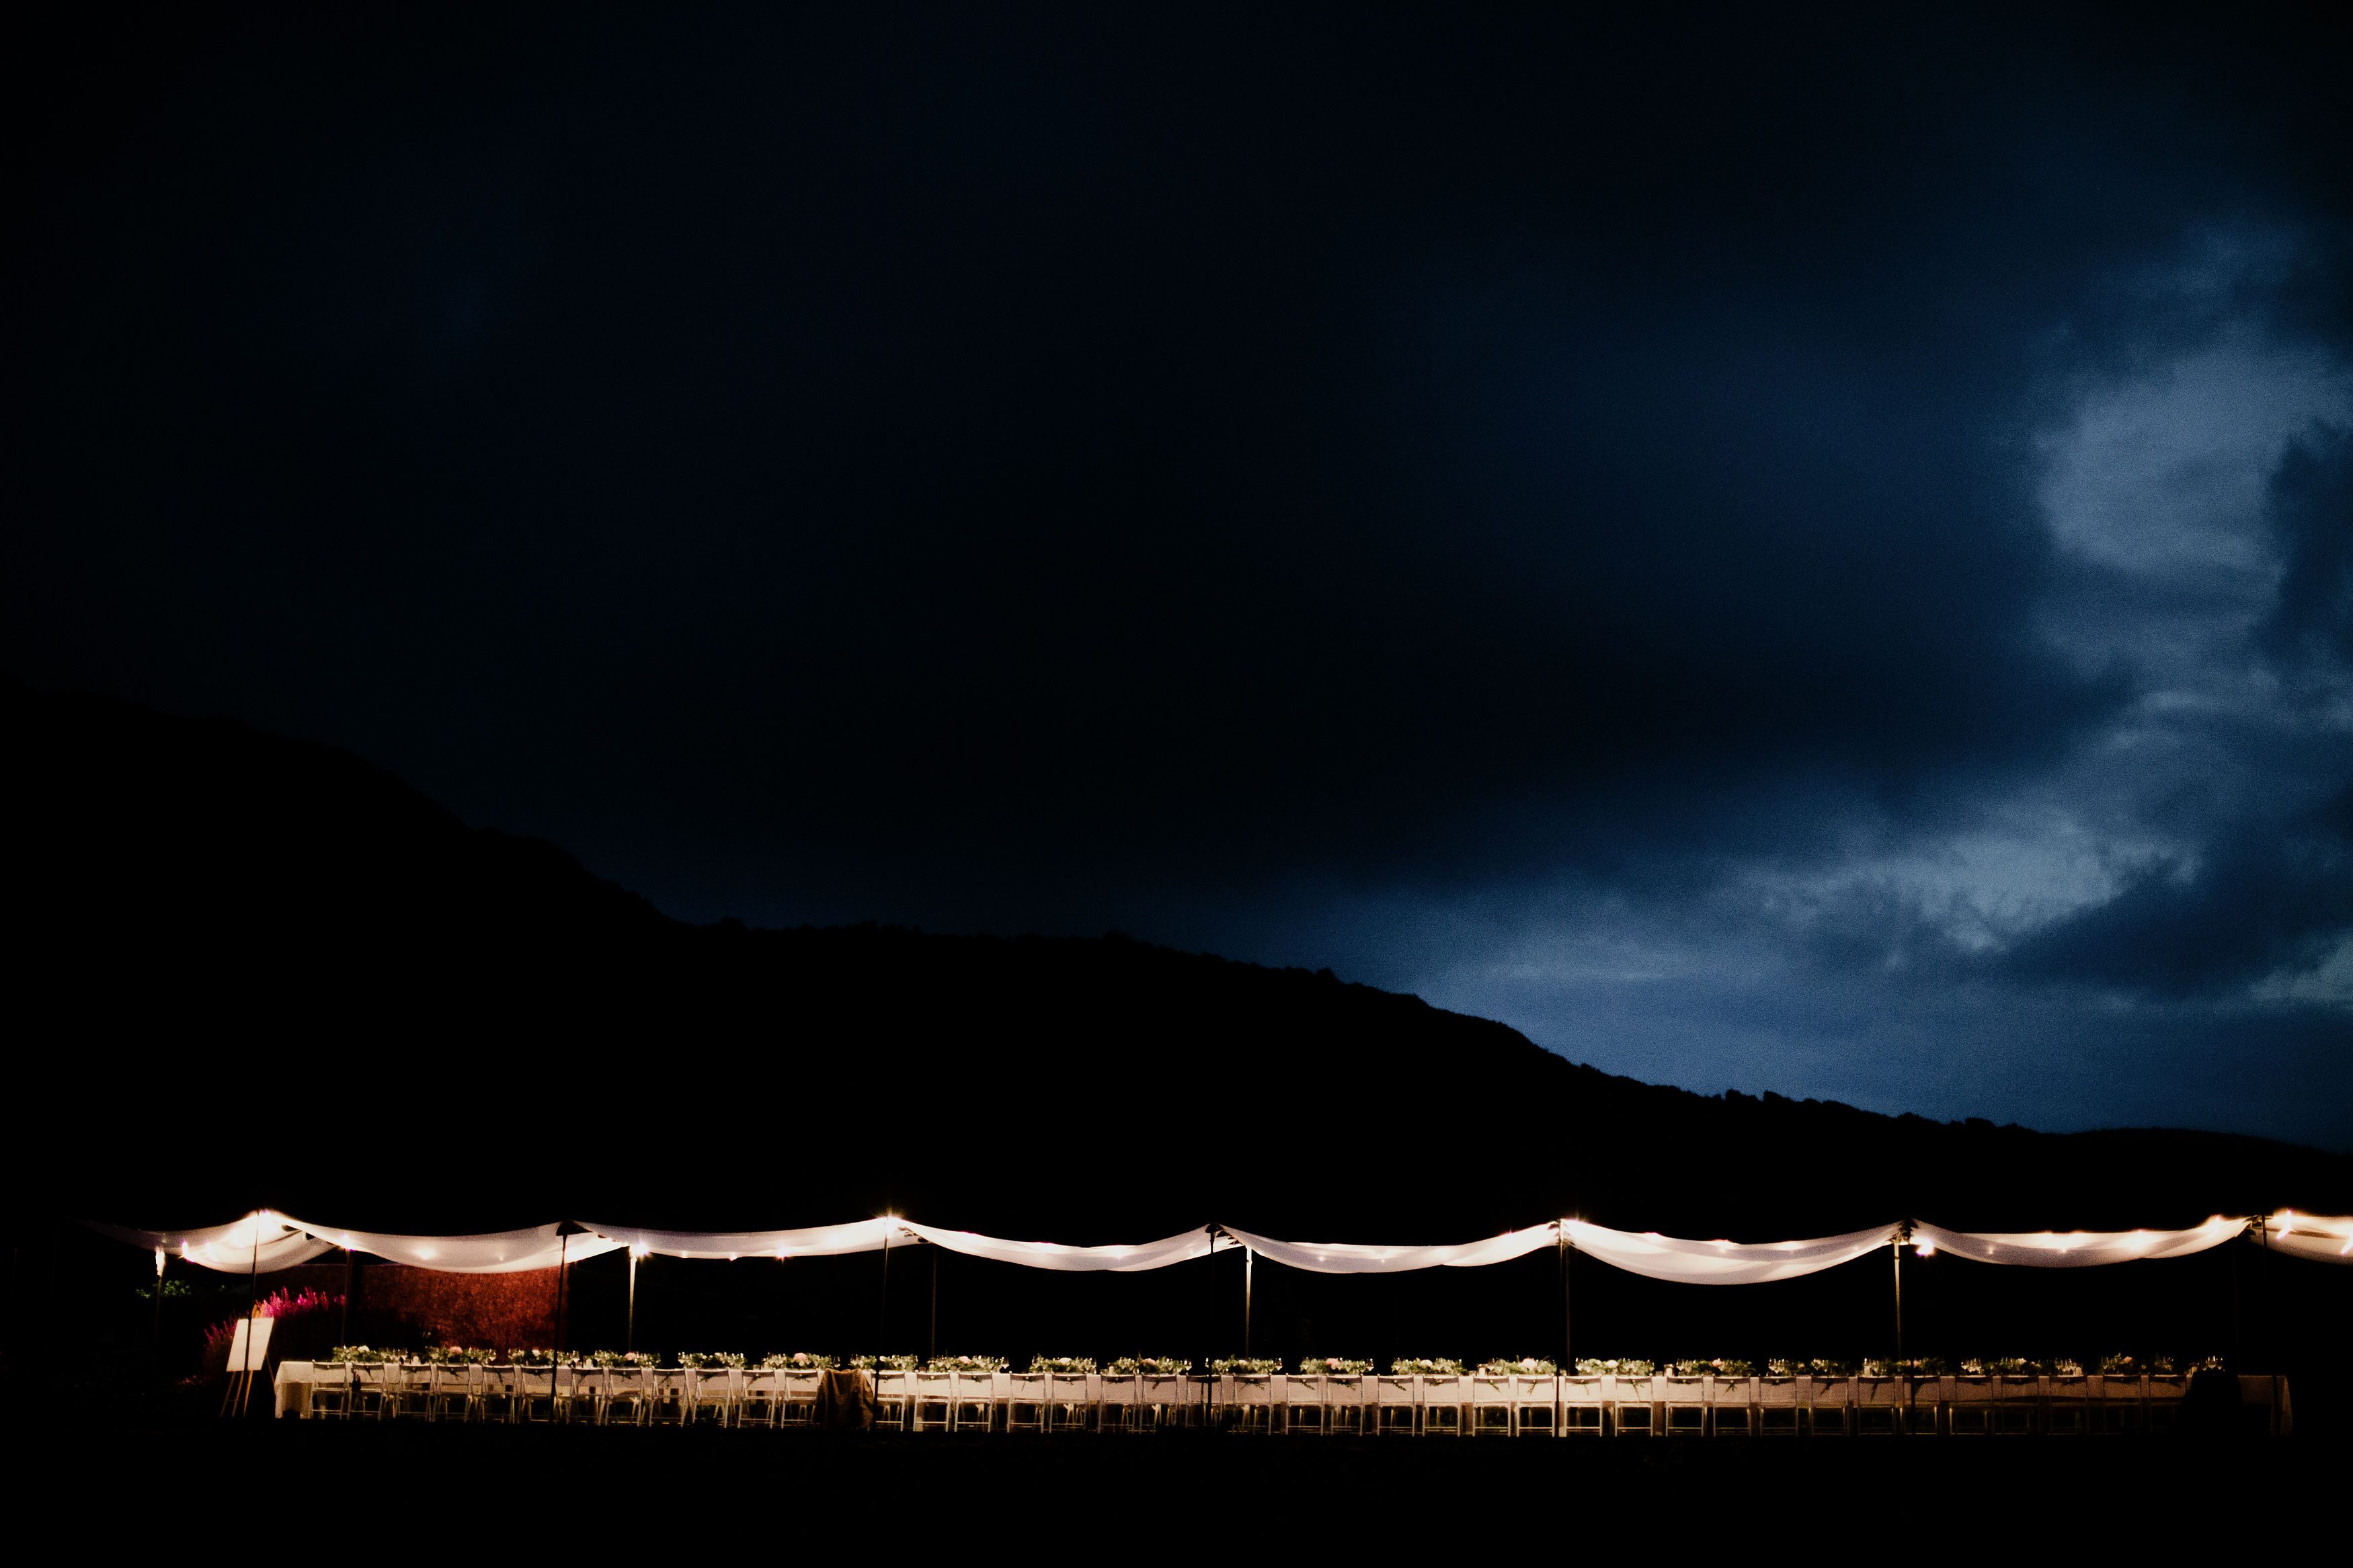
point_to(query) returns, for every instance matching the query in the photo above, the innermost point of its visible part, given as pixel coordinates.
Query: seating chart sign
(260, 1344)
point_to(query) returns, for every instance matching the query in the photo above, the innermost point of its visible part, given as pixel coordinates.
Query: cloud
(1761, 531)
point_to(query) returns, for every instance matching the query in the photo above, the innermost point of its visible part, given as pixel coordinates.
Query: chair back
(1528, 1389)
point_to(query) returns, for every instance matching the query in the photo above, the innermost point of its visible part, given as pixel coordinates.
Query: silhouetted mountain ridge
(457, 1028)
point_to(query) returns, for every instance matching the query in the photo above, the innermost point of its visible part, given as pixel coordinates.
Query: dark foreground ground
(474, 1491)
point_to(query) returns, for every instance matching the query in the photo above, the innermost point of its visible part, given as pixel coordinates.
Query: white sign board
(236, 1346)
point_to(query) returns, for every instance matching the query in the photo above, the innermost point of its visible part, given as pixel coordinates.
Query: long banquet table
(1519, 1404)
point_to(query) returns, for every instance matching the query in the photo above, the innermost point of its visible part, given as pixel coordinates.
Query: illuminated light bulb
(1925, 1250)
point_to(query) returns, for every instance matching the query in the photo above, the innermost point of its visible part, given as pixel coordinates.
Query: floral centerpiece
(797, 1361)
(1526, 1367)
(1995, 1367)
(626, 1361)
(884, 1364)
(2119, 1366)
(1722, 1366)
(2062, 1367)
(1149, 1366)
(965, 1363)
(532, 1358)
(367, 1355)
(1426, 1366)
(1931, 1366)
(732, 1360)
(1246, 1365)
(457, 1355)
(1614, 1366)
(1064, 1365)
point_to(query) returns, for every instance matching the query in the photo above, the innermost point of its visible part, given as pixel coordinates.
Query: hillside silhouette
(188, 894)
(260, 971)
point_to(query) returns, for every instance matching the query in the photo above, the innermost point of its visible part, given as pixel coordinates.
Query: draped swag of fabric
(267, 1242)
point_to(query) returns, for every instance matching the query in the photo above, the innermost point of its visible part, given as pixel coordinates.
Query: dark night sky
(1811, 556)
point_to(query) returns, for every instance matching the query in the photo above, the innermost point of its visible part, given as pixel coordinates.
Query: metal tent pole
(934, 1343)
(351, 1267)
(1249, 1262)
(1896, 1252)
(252, 1309)
(2271, 1341)
(1567, 1354)
(883, 1314)
(155, 1334)
(630, 1332)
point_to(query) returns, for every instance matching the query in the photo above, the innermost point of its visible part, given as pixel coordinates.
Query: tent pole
(562, 1272)
(1567, 1354)
(629, 1333)
(1896, 1252)
(2271, 1341)
(351, 1267)
(156, 1336)
(935, 1344)
(1249, 1262)
(252, 1304)
(882, 1315)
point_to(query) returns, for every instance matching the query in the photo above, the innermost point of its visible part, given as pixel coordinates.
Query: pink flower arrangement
(277, 1304)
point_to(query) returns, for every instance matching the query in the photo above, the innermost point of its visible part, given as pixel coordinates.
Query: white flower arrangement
(884, 1363)
(458, 1355)
(1149, 1366)
(630, 1360)
(797, 1361)
(1722, 1366)
(1246, 1365)
(532, 1358)
(1614, 1366)
(1995, 1367)
(1526, 1367)
(367, 1355)
(1064, 1365)
(706, 1359)
(1426, 1366)
(965, 1363)
(1332, 1366)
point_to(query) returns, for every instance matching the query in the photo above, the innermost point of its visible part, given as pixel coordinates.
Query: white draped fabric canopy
(2310, 1236)
(1053, 1254)
(2077, 1248)
(1723, 1262)
(266, 1242)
